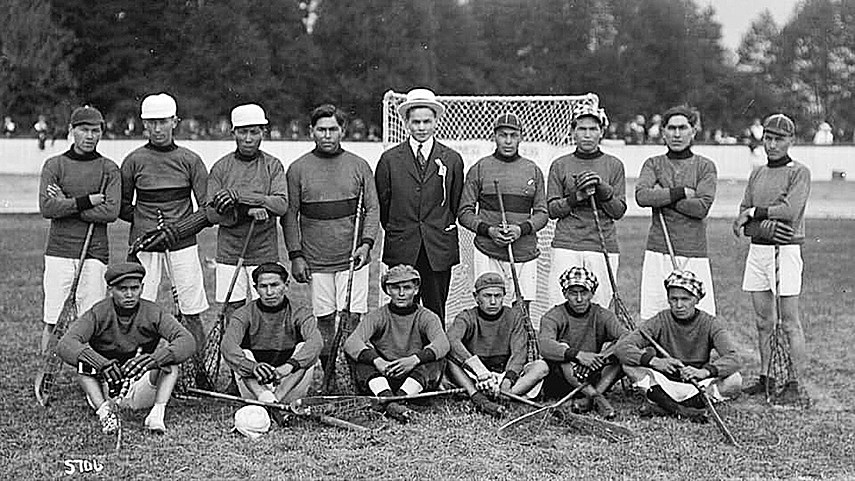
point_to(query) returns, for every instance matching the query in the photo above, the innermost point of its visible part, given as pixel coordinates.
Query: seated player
(572, 336)
(688, 334)
(489, 346)
(399, 348)
(118, 341)
(271, 345)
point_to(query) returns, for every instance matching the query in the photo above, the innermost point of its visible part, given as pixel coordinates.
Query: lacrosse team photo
(451, 239)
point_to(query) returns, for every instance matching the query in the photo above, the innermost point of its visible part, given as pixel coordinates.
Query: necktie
(420, 158)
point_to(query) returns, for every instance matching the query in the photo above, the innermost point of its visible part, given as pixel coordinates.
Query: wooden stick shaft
(718, 421)
(668, 241)
(329, 420)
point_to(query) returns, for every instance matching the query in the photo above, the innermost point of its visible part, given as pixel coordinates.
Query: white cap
(249, 114)
(160, 106)
(252, 421)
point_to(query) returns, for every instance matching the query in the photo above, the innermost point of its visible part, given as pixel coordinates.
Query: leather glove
(138, 365)
(172, 237)
(776, 231)
(112, 372)
(587, 180)
(604, 191)
(264, 373)
(224, 200)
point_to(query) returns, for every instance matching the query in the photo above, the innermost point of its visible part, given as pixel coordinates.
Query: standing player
(419, 183)
(77, 188)
(246, 185)
(126, 339)
(572, 179)
(772, 214)
(520, 181)
(681, 185)
(323, 192)
(158, 180)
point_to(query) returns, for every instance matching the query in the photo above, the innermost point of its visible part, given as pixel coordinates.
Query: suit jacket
(415, 210)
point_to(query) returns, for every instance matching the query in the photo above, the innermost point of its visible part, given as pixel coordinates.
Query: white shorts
(657, 267)
(564, 259)
(526, 272)
(224, 273)
(760, 269)
(188, 278)
(329, 291)
(58, 276)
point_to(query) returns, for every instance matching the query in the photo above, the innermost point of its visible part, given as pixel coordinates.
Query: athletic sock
(411, 386)
(378, 385)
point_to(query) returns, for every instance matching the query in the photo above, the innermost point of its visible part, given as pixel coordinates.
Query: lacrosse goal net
(467, 127)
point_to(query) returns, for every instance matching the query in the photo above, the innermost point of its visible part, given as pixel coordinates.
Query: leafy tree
(34, 72)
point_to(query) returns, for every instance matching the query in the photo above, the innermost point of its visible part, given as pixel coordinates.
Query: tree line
(640, 56)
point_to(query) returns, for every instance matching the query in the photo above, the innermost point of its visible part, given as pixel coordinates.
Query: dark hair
(684, 110)
(328, 110)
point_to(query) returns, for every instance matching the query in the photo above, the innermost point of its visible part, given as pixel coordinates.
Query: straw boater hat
(421, 98)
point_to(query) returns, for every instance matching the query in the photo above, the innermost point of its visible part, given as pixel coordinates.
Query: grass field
(449, 440)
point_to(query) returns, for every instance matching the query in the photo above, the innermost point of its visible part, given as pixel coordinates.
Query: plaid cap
(686, 280)
(400, 273)
(270, 268)
(507, 120)
(489, 279)
(779, 124)
(578, 276)
(590, 107)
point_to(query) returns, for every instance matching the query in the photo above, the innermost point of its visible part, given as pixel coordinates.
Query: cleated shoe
(581, 405)
(790, 394)
(759, 388)
(604, 407)
(399, 412)
(486, 406)
(649, 410)
(278, 417)
(108, 417)
(694, 415)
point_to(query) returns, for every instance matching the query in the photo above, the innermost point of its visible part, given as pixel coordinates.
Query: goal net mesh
(467, 127)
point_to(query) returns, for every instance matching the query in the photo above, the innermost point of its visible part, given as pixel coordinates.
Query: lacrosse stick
(345, 323)
(51, 363)
(322, 418)
(188, 376)
(707, 401)
(668, 241)
(533, 348)
(310, 402)
(215, 337)
(780, 364)
(621, 311)
(586, 424)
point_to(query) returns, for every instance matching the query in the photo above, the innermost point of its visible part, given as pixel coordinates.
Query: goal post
(467, 127)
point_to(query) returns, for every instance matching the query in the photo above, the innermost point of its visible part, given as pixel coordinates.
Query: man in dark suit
(419, 183)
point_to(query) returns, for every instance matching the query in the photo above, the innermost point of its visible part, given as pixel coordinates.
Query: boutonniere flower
(443, 171)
